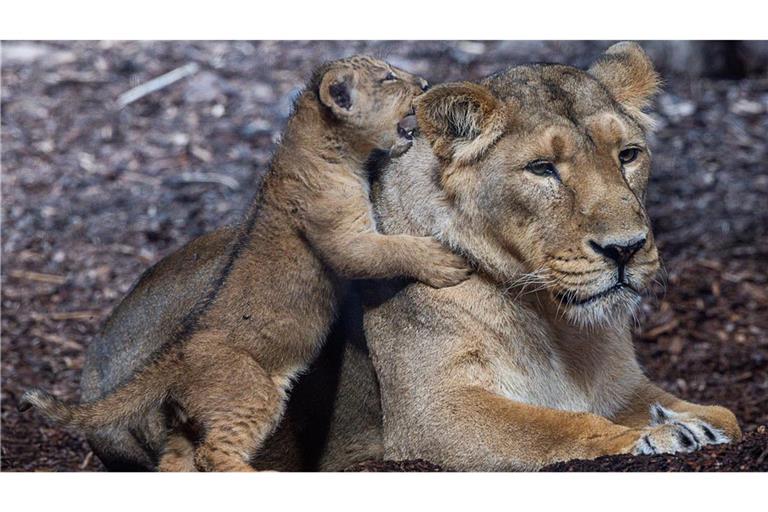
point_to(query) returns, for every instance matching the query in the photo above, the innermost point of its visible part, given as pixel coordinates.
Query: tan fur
(228, 367)
(476, 116)
(530, 361)
(178, 454)
(627, 72)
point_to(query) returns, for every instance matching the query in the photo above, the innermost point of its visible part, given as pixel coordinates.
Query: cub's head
(372, 99)
(551, 163)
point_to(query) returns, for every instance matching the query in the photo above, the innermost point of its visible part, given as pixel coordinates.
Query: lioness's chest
(540, 378)
(526, 364)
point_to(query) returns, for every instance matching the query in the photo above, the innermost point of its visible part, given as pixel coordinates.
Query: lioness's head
(551, 163)
(373, 99)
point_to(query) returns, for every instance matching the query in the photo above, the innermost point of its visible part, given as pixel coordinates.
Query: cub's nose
(619, 252)
(425, 86)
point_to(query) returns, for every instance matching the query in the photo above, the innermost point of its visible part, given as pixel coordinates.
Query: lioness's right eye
(542, 168)
(628, 155)
(390, 77)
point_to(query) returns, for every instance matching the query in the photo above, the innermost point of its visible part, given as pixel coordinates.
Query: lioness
(227, 366)
(538, 175)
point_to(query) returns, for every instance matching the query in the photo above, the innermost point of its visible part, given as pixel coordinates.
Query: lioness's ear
(628, 74)
(461, 120)
(337, 91)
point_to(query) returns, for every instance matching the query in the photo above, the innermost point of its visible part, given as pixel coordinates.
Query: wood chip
(57, 339)
(74, 315)
(87, 460)
(38, 276)
(156, 84)
(661, 329)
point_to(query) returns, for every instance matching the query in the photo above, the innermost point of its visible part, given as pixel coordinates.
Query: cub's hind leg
(237, 404)
(178, 454)
(237, 430)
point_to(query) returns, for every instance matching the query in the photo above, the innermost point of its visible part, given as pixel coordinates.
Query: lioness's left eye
(542, 168)
(628, 155)
(390, 76)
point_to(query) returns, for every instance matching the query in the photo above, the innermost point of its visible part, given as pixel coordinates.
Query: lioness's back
(145, 320)
(136, 330)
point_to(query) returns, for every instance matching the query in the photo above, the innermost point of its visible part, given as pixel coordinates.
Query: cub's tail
(147, 390)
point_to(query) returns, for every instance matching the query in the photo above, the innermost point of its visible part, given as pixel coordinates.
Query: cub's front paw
(443, 268)
(674, 432)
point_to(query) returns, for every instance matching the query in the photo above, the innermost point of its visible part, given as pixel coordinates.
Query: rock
(747, 107)
(179, 139)
(466, 51)
(203, 88)
(471, 47)
(255, 127)
(23, 53)
(15, 54)
(262, 92)
(676, 108)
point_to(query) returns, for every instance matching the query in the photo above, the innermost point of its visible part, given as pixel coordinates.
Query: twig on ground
(59, 340)
(87, 460)
(38, 276)
(156, 84)
(73, 315)
(210, 177)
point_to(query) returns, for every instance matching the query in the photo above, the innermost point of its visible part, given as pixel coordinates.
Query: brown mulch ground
(92, 195)
(751, 454)
(395, 466)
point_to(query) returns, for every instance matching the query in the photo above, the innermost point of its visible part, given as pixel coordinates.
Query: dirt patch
(395, 466)
(751, 454)
(93, 194)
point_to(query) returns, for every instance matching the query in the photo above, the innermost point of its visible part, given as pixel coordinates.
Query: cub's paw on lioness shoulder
(441, 267)
(676, 432)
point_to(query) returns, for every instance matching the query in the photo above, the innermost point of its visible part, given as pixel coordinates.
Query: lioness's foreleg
(691, 426)
(484, 431)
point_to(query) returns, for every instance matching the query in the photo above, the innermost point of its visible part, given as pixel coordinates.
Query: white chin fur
(613, 310)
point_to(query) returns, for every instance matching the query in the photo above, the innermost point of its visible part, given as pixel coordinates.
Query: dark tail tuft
(148, 389)
(24, 404)
(46, 403)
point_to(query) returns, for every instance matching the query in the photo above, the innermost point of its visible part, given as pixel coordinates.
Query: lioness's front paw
(443, 268)
(673, 432)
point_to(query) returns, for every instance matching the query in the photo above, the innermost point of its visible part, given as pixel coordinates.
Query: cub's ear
(628, 74)
(337, 91)
(460, 120)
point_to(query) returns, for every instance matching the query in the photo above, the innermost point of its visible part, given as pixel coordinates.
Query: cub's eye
(542, 168)
(628, 155)
(390, 77)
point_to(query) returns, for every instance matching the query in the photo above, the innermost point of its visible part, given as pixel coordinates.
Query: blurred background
(97, 186)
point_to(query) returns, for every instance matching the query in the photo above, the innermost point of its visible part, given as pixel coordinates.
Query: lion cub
(227, 370)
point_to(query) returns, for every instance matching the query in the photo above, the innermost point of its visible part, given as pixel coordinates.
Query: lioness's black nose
(621, 253)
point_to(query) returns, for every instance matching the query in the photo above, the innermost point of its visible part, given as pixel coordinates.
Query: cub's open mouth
(572, 299)
(407, 126)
